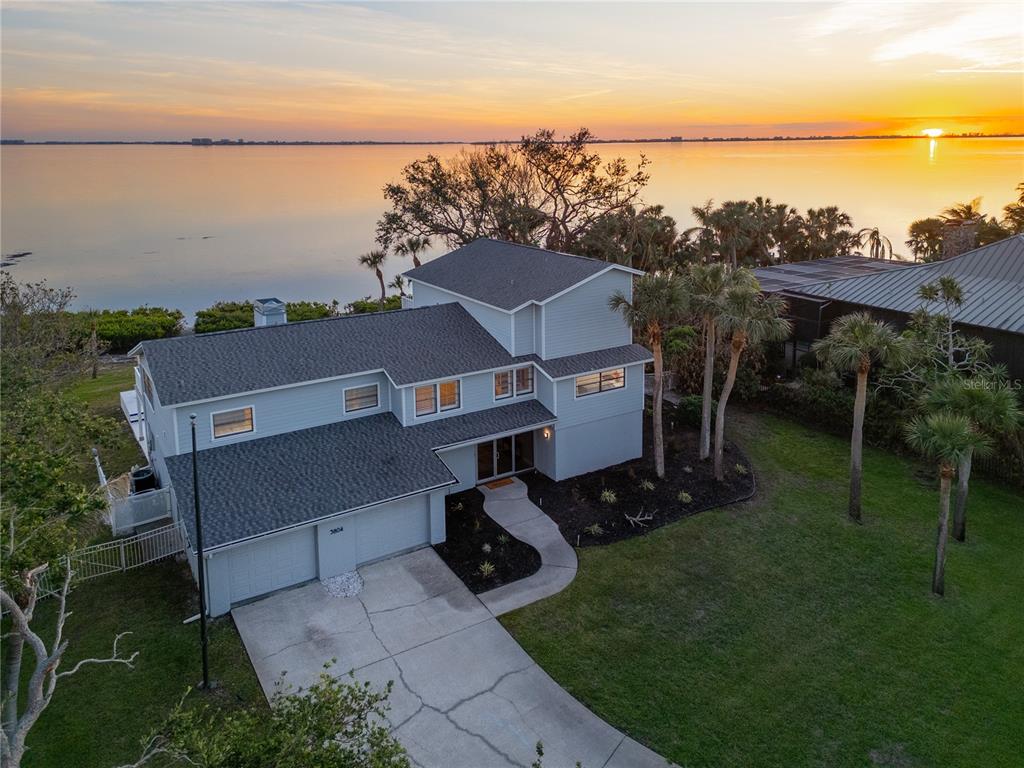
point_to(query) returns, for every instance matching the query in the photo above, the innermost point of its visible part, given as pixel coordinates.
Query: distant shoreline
(671, 140)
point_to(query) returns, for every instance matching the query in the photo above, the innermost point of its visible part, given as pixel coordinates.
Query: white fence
(129, 512)
(116, 556)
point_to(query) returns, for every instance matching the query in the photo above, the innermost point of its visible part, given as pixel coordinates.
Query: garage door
(392, 528)
(271, 564)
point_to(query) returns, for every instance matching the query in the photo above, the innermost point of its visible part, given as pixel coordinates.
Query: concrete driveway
(466, 695)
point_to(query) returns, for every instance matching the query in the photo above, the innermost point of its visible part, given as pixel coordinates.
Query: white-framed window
(524, 380)
(362, 398)
(236, 422)
(426, 400)
(592, 383)
(502, 385)
(450, 395)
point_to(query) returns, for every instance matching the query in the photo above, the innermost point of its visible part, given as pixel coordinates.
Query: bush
(366, 305)
(687, 412)
(229, 315)
(118, 330)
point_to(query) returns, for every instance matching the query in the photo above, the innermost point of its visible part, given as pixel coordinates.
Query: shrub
(594, 530)
(486, 569)
(684, 497)
(118, 330)
(608, 496)
(687, 412)
(502, 539)
(366, 305)
(486, 548)
(229, 315)
(740, 469)
(646, 485)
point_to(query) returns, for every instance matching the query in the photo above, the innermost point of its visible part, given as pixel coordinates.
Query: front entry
(504, 456)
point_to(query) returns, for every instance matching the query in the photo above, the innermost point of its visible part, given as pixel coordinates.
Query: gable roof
(410, 345)
(260, 486)
(509, 275)
(792, 275)
(991, 276)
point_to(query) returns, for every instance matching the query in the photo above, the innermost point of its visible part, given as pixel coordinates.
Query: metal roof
(256, 487)
(508, 275)
(783, 277)
(992, 278)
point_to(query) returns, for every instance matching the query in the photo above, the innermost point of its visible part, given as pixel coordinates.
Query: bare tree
(46, 674)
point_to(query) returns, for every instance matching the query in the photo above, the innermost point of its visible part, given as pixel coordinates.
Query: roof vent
(269, 312)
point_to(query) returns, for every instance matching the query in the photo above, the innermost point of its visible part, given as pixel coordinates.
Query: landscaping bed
(473, 539)
(592, 509)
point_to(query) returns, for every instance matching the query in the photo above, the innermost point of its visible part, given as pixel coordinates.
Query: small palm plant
(856, 344)
(748, 317)
(412, 246)
(992, 409)
(659, 301)
(375, 260)
(945, 437)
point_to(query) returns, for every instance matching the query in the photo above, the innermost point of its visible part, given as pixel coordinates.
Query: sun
(932, 133)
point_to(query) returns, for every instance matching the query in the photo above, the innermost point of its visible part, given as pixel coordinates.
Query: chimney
(958, 238)
(269, 312)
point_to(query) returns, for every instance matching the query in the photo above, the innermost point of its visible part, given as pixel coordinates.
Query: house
(327, 444)
(991, 276)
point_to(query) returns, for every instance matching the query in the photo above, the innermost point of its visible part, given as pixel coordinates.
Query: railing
(130, 511)
(116, 556)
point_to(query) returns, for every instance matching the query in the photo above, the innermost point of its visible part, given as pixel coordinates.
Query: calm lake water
(186, 226)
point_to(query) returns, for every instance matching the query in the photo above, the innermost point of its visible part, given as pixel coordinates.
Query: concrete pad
(509, 513)
(433, 741)
(549, 580)
(543, 535)
(403, 703)
(400, 629)
(405, 580)
(632, 754)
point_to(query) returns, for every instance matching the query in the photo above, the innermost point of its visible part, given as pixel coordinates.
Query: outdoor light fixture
(547, 433)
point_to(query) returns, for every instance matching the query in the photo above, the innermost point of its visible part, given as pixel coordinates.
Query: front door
(504, 456)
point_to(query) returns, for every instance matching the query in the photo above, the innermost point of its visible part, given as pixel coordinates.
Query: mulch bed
(576, 504)
(470, 533)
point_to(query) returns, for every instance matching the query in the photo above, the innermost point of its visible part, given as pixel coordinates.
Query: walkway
(510, 507)
(466, 695)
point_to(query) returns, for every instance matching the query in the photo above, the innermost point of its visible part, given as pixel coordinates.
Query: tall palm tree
(944, 437)
(659, 301)
(375, 260)
(879, 246)
(748, 317)
(992, 409)
(412, 246)
(785, 228)
(963, 213)
(703, 235)
(732, 223)
(399, 285)
(855, 344)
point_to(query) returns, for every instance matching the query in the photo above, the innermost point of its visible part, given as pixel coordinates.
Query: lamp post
(199, 556)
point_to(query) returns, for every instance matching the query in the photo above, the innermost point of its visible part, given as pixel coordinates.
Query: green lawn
(98, 717)
(776, 633)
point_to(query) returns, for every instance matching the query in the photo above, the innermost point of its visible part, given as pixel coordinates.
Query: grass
(776, 633)
(98, 717)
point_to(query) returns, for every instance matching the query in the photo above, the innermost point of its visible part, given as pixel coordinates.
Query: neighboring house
(327, 444)
(992, 278)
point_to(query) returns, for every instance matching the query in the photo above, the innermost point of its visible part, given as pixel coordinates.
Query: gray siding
(524, 336)
(574, 410)
(281, 410)
(477, 392)
(581, 321)
(597, 444)
(545, 391)
(159, 426)
(462, 463)
(495, 321)
(538, 330)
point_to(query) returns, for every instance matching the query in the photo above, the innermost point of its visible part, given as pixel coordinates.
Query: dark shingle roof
(781, 277)
(992, 278)
(506, 275)
(412, 345)
(259, 486)
(572, 365)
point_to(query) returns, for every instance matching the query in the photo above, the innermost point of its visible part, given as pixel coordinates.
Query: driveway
(466, 695)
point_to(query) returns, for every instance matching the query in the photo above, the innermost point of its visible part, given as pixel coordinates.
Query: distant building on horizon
(202, 142)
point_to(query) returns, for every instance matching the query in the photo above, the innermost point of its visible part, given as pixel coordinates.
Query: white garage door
(273, 563)
(392, 528)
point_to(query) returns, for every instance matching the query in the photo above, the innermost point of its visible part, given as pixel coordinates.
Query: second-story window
(524, 380)
(426, 400)
(227, 423)
(593, 383)
(361, 398)
(502, 385)
(449, 395)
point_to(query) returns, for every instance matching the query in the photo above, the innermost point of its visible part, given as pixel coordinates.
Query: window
(361, 398)
(449, 390)
(502, 385)
(227, 423)
(426, 400)
(524, 380)
(147, 384)
(593, 383)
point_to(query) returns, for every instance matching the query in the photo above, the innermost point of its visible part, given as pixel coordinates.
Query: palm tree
(412, 246)
(855, 344)
(659, 301)
(375, 260)
(732, 223)
(945, 437)
(785, 228)
(399, 285)
(878, 245)
(703, 236)
(992, 409)
(749, 317)
(963, 213)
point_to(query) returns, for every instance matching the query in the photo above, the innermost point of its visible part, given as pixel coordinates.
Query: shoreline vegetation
(457, 142)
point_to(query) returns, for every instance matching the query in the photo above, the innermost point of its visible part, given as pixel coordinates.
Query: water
(185, 226)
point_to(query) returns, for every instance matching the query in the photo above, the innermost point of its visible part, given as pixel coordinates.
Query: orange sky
(324, 71)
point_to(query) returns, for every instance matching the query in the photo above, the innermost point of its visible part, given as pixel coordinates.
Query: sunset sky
(324, 71)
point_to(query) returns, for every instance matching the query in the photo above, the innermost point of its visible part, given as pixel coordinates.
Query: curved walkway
(510, 507)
